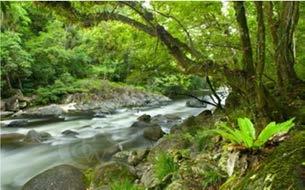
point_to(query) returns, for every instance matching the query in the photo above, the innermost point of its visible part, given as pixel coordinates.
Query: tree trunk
(8, 80)
(282, 30)
(244, 37)
(262, 109)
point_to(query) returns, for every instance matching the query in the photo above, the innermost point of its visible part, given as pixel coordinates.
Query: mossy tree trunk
(282, 27)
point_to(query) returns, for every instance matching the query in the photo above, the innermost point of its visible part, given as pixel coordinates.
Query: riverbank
(189, 157)
(87, 96)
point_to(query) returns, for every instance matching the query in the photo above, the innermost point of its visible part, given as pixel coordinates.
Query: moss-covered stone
(113, 171)
(282, 169)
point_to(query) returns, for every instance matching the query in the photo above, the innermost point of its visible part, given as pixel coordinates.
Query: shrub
(164, 164)
(246, 134)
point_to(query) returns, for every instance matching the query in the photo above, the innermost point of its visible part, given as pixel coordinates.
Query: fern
(246, 134)
(273, 129)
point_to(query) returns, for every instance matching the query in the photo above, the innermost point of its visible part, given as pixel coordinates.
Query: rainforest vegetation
(50, 50)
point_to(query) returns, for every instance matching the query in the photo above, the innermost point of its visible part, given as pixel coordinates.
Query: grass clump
(124, 185)
(164, 164)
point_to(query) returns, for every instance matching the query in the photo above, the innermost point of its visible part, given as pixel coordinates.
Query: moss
(282, 169)
(111, 172)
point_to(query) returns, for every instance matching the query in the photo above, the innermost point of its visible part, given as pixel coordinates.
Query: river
(20, 163)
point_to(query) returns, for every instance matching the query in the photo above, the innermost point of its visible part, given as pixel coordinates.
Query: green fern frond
(273, 129)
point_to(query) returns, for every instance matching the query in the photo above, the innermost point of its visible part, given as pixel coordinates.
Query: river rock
(100, 115)
(113, 171)
(165, 144)
(148, 179)
(153, 133)
(121, 156)
(69, 133)
(144, 118)
(136, 156)
(12, 103)
(195, 104)
(62, 177)
(11, 138)
(167, 120)
(36, 137)
(17, 123)
(142, 124)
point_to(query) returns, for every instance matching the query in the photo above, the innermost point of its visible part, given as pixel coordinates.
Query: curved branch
(192, 47)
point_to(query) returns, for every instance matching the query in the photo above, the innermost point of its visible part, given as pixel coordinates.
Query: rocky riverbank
(191, 158)
(90, 104)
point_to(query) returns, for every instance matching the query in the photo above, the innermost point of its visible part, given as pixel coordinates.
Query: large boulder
(62, 177)
(168, 143)
(153, 133)
(36, 137)
(106, 173)
(11, 138)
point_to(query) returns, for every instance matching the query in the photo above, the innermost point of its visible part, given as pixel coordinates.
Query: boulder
(11, 138)
(153, 133)
(142, 124)
(149, 179)
(144, 118)
(167, 120)
(195, 104)
(12, 104)
(169, 143)
(62, 177)
(36, 137)
(17, 123)
(136, 156)
(69, 133)
(106, 173)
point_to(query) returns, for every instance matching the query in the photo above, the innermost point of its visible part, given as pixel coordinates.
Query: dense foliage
(170, 47)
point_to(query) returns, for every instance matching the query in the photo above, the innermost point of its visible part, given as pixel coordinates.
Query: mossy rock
(109, 172)
(282, 169)
(168, 144)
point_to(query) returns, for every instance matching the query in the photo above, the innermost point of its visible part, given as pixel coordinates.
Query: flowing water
(20, 163)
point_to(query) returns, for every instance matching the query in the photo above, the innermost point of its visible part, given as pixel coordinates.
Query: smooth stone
(153, 133)
(62, 177)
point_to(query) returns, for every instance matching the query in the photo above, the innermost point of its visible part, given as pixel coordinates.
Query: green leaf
(273, 129)
(247, 131)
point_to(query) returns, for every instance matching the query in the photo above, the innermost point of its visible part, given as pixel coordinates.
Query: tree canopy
(253, 47)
